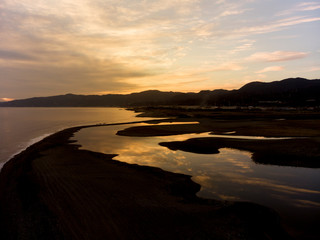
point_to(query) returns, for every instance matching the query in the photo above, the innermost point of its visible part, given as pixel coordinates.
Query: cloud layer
(101, 46)
(277, 56)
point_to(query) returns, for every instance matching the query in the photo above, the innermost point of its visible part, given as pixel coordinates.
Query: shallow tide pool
(230, 175)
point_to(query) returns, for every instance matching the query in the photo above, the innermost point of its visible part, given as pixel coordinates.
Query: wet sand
(53, 190)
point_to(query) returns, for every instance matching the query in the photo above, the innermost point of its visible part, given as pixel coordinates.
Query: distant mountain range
(288, 92)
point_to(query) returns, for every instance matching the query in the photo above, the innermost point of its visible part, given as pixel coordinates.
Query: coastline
(28, 144)
(16, 136)
(53, 190)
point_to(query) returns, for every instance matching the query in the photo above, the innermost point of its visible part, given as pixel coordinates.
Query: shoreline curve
(54, 190)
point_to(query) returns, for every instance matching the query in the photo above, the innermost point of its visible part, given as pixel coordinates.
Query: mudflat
(298, 132)
(54, 190)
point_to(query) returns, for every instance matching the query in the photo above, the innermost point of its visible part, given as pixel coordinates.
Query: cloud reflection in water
(229, 175)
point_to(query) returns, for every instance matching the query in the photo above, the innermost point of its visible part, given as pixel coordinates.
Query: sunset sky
(51, 47)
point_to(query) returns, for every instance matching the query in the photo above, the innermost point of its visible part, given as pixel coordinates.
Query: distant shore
(53, 190)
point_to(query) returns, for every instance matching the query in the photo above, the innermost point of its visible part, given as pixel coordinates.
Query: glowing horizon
(100, 47)
(6, 99)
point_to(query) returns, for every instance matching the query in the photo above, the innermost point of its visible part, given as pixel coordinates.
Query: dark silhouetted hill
(288, 92)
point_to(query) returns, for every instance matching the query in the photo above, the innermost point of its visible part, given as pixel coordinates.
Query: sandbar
(54, 190)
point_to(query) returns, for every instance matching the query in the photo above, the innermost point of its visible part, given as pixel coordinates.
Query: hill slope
(288, 92)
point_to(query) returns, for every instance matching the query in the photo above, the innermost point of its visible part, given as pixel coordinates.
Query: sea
(21, 127)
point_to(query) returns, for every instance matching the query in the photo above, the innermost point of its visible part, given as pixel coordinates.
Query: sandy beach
(53, 190)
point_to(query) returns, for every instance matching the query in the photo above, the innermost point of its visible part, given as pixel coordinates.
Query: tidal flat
(282, 146)
(54, 190)
(300, 130)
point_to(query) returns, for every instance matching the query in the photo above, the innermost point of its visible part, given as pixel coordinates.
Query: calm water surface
(20, 127)
(229, 175)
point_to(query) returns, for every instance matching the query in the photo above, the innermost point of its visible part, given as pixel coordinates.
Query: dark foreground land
(54, 190)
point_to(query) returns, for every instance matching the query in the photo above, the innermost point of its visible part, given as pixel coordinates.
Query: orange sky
(109, 46)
